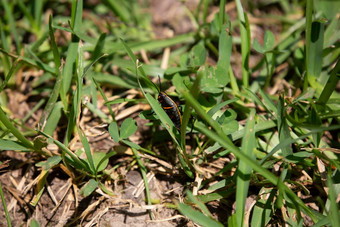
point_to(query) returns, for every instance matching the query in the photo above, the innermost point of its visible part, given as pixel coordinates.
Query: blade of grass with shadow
(76, 104)
(76, 16)
(244, 170)
(245, 42)
(331, 84)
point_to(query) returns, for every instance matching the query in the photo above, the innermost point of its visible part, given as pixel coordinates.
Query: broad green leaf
(128, 128)
(209, 82)
(100, 161)
(257, 46)
(113, 130)
(179, 82)
(268, 41)
(198, 55)
(49, 163)
(230, 127)
(222, 76)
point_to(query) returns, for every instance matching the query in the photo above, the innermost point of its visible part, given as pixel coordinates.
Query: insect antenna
(159, 90)
(159, 81)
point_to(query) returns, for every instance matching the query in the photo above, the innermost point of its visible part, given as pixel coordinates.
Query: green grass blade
(53, 118)
(119, 9)
(28, 15)
(76, 16)
(224, 48)
(15, 66)
(88, 188)
(221, 15)
(6, 64)
(282, 127)
(51, 101)
(143, 171)
(314, 65)
(187, 110)
(54, 47)
(263, 209)
(333, 212)
(87, 149)
(193, 199)
(76, 104)
(35, 62)
(38, 10)
(12, 25)
(9, 224)
(261, 126)
(245, 42)
(105, 99)
(55, 92)
(68, 70)
(244, 170)
(97, 52)
(8, 124)
(150, 45)
(330, 85)
(308, 31)
(12, 145)
(197, 216)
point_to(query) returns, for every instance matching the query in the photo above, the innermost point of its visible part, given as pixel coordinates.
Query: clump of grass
(263, 143)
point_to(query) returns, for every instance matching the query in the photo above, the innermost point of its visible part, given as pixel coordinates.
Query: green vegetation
(265, 145)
